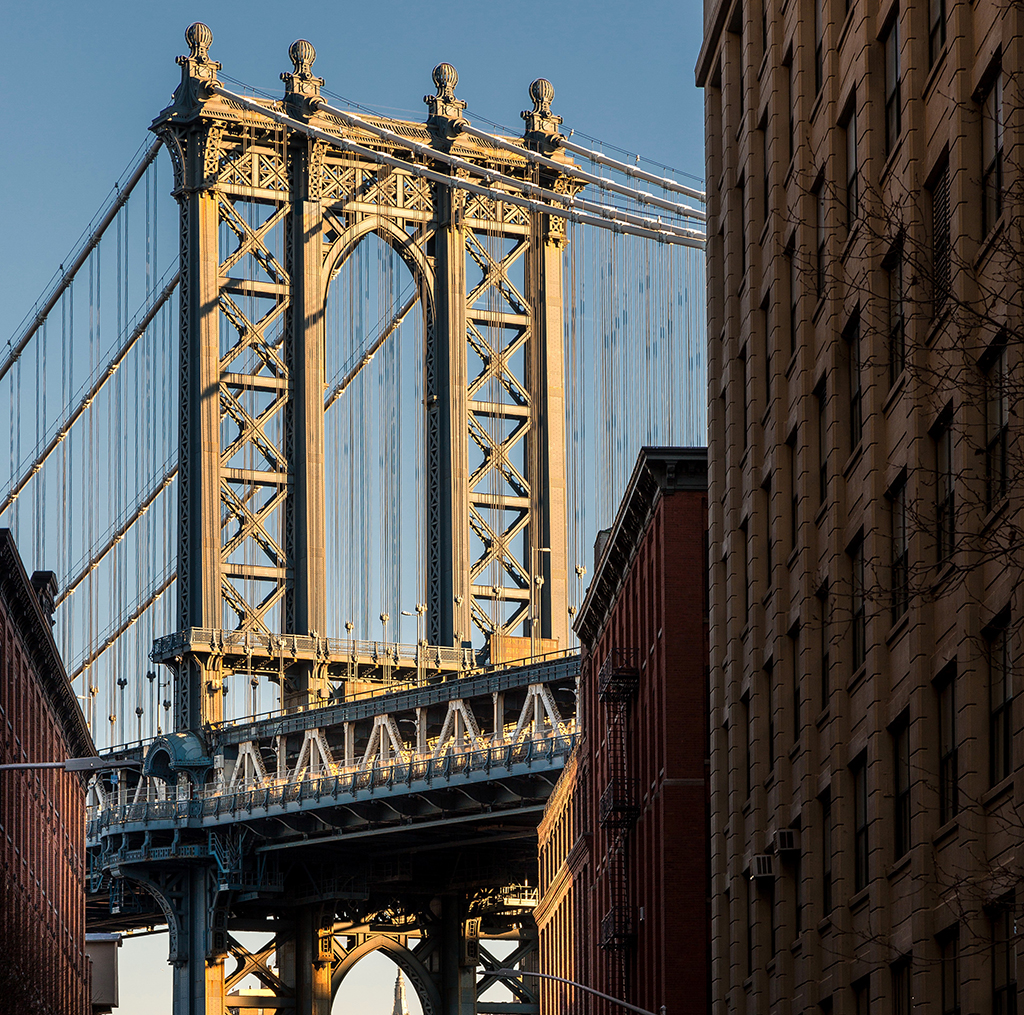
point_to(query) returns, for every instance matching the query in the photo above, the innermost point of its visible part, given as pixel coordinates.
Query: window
(822, 446)
(748, 745)
(900, 553)
(745, 573)
(769, 549)
(862, 996)
(794, 507)
(770, 689)
(992, 154)
(766, 333)
(949, 958)
(773, 917)
(745, 400)
(936, 29)
(859, 771)
(897, 327)
(858, 607)
(902, 986)
(945, 508)
(820, 239)
(1004, 957)
(826, 853)
(852, 178)
(819, 46)
(741, 197)
(997, 424)
(825, 663)
(940, 237)
(751, 923)
(891, 43)
(949, 769)
(794, 651)
(901, 789)
(798, 894)
(1000, 669)
(794, 297)
(852, 337)
(790, 105)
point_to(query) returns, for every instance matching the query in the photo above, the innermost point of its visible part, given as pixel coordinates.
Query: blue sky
(81, 83)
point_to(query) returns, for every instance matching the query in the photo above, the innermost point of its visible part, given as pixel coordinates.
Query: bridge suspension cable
(65, 427)
(90, 244)
(607, 218)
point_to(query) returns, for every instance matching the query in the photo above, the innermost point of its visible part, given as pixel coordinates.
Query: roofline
(17, 591)
(658, 470)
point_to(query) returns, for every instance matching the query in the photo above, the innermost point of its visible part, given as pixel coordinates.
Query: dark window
(940, 237)
(826, 853)
(773, 917)
(852, 177)
(901, 794)
(891, 43)
(902, 986)
(819, 45)
(858, 606)
(900, 552)
(748, 745)
(936, 29)
(859, 772)
(794, 650)
(794, 510)
(825, 634)
(949, 957)
(745, 575)
(997, 424)
(992, 154)
(852, 336)
(766, 332)
(897, 326)
(741, 192)
(770, 688)
(745, 401)
(949, 766)
(798, 894)
(945, 508)
(790, 106)
(1000, 667)
(820, 240)
(822, 446)
(1004, 957)
(794, 298)
(862, 996)
(751, 923)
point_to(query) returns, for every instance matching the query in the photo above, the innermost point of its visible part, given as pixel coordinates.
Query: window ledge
(823, 718)
(790, 170)
(989, 241)
(764, 229)
(825, 925)
(794, 357)
(816, 108)
(947, 831)
(748, 805)
(933, 74)
(797, 946)
(859, 900)
(858, 678)
(795, 750)
(764, 63)
(819, 515)
(791, 559)
(997, 792)
(994, 515)
(851, 462)
(891, 159)
(899, 866)
(894, 392)
(851, 238)
(845, 30)
(819, 308)
(938, 322)
(899, 628)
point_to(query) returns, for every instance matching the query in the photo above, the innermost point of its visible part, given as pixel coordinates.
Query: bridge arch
(418, 975)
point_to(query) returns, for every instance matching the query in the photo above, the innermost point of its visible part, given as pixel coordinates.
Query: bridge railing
(174, 804)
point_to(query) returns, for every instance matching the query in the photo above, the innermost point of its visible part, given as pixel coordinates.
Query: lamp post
(511, 974)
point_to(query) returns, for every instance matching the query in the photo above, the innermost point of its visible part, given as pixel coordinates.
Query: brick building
(864, 321)
(623, 845)
(44, 968)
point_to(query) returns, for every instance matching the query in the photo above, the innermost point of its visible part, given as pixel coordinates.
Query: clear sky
(82, 81)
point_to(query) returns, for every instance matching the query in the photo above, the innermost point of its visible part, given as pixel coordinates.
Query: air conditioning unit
(787, 840)
(762, 865)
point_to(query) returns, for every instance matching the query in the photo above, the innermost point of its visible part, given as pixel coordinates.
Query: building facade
(864, 317)
(44, 967)
(624, 842)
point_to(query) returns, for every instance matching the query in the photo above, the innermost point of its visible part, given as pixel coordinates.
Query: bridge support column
(458, 961)
(198, 982)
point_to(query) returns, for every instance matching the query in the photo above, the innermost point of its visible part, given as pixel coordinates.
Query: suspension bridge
(336, 370)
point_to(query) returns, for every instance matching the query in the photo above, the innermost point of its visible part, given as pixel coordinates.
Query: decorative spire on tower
(445, 111)
(400, 1008)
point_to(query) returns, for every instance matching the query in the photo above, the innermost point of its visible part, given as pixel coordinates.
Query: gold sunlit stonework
(251, 507)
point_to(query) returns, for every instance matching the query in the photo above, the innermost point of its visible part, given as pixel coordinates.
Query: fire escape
(619, 806)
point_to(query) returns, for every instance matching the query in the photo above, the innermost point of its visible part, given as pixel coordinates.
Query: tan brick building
(865, 276)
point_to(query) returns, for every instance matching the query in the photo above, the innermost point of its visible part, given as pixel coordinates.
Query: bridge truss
(340, 794)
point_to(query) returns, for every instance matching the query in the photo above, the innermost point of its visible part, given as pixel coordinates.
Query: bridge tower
(268, 216)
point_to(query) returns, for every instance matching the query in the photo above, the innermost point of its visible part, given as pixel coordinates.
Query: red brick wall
(661, 611)
(43, 966)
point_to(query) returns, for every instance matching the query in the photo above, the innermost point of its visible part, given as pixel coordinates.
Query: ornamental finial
(302, 86)
(541, 123)
(302, 55)
(198, 36)
(542, 92)
(445, 117)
